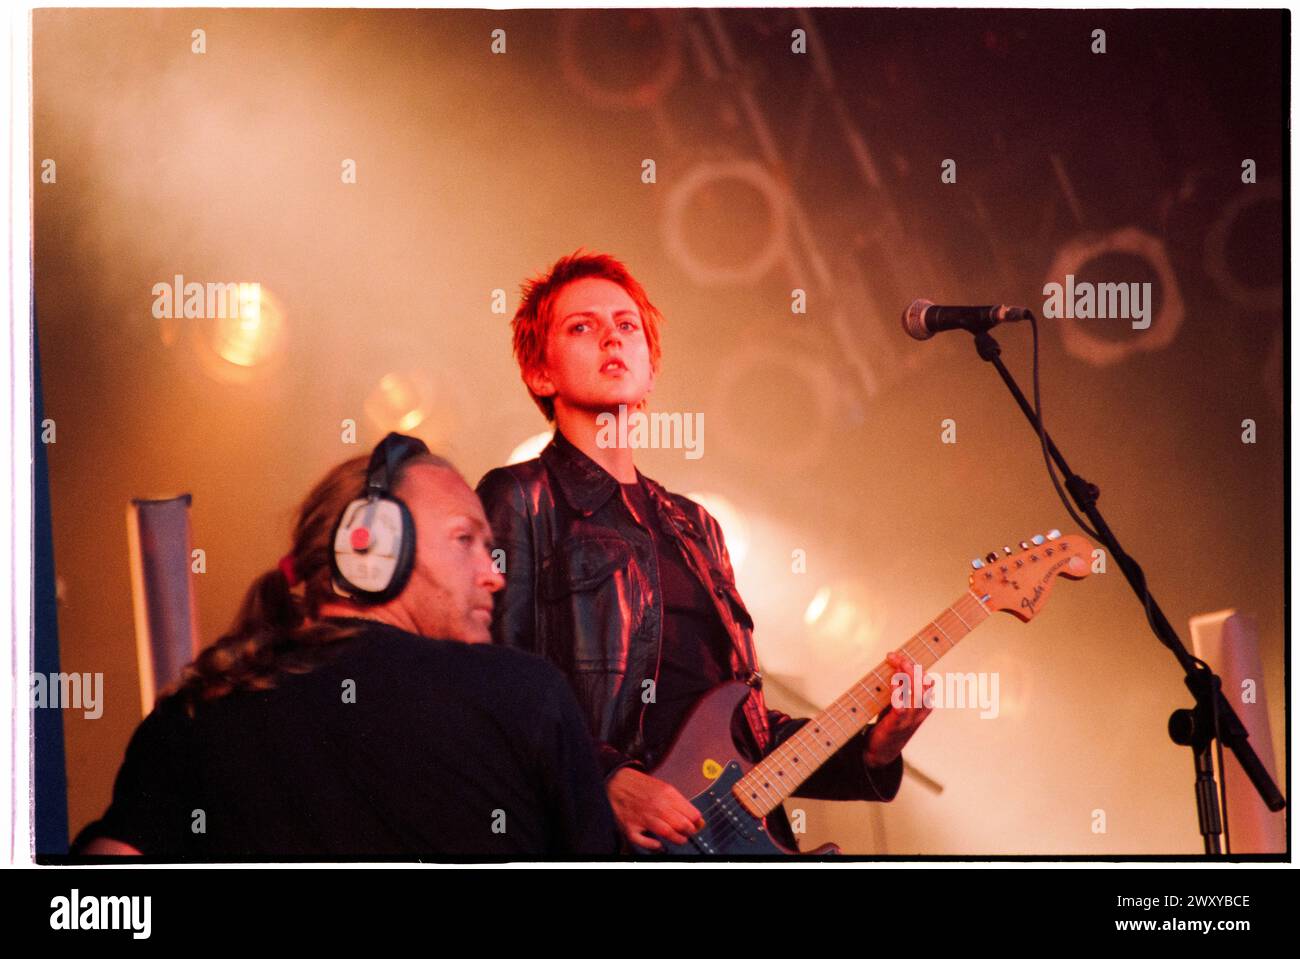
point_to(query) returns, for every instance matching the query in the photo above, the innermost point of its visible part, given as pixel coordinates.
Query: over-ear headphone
(374, 538)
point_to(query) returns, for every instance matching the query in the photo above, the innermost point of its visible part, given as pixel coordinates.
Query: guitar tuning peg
(1053, 534)
(991, 558)
(1038, 540)
(1007, 550)
(977, 564)
(1024, 545)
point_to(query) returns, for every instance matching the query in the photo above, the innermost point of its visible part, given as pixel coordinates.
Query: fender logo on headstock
(1031, 602)
(1038, 565)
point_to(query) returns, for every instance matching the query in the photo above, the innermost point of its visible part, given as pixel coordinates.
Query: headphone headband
(392, 451)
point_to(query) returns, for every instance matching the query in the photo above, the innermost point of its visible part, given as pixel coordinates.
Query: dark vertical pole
(50, 817)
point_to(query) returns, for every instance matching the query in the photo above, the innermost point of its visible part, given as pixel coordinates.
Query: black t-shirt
(396, 746)
(695, 651)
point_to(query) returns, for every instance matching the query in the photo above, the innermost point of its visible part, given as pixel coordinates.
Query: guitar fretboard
(776, 778)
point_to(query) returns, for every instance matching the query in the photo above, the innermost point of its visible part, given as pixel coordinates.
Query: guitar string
(777, 757)
(727, 828)
(730, 826)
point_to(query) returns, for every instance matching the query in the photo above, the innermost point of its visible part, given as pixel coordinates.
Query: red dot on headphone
(360, 538)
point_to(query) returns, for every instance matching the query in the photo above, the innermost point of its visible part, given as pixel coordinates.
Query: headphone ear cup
(379, 571)
(374, 568)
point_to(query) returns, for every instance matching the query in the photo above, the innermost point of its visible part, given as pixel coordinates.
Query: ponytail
(278, 628)
(270, 636)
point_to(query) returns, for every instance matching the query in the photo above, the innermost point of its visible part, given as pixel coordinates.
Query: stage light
(242, 337)
(1078, 336)
(735, 529)
(817, 605)
(843, 623)
(400, 401)
(529, 449)
(710, 192)
(632, 66)
(253, 333)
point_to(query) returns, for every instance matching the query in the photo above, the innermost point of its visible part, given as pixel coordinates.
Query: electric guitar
(734, 797)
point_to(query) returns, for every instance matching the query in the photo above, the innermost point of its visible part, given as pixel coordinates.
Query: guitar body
(704, 764)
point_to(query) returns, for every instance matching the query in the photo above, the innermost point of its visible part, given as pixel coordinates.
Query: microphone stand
(1212, 716)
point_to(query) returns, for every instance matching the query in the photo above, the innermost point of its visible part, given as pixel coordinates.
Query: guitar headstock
(1018, 582)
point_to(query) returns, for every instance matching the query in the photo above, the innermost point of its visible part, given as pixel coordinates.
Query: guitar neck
(776, 778)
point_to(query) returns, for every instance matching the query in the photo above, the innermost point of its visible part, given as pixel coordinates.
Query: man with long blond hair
(322, 727)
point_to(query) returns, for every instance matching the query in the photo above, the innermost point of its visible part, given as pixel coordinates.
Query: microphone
(923, 319)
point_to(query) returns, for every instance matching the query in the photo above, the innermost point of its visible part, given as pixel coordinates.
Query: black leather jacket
(582, 589)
